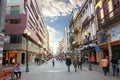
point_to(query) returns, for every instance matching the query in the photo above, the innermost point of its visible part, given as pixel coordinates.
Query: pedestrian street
(59, 72)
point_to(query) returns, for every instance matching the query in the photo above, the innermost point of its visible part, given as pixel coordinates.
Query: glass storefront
(116, 52)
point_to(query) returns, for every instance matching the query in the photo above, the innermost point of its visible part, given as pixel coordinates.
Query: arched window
(98, 16)
(116, 6)
(105, 9)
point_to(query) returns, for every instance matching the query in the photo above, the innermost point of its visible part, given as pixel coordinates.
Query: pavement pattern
(59, 72)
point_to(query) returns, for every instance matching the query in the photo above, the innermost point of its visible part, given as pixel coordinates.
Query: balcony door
(106, 11)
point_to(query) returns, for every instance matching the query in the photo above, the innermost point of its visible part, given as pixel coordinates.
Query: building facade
(2, 24)
(24, 16)
(47, 41)
(89, 29)
(108, 17)
(77, 37)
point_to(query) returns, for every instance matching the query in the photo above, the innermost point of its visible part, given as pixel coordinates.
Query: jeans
(68, 68)
(18, 74)
(114, 68)
(105, 70)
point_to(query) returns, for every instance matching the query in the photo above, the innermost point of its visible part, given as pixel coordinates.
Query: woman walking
(104, 64)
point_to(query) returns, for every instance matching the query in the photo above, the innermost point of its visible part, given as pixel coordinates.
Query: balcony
(85, 22)
(110, 18)
(87, 40)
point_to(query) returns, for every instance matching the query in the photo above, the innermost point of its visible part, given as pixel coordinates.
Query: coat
(68, 61)
(75, 61)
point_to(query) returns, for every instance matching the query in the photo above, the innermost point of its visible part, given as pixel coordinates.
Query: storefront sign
(97, 48)
(115, 33)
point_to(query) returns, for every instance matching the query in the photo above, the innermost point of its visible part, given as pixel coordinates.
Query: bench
(7, 73)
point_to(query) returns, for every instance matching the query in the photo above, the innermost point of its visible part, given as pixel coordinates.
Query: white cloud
(55, 37)
(52, 8)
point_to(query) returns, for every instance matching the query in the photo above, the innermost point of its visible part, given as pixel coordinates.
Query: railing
(85, 22)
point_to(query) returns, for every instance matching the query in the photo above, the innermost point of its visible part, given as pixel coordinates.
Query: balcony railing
(85, 22)
(109, 17)
(87, 40)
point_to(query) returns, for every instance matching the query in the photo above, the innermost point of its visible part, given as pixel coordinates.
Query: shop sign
(97, 48)
(115, 33)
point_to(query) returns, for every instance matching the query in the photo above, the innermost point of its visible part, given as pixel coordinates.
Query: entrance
(12, 57)
(116, 52)
(23, 58)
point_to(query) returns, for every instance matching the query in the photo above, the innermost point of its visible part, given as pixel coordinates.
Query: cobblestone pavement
(47, 72)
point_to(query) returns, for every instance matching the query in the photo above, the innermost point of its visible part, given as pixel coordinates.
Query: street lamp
(27, 33)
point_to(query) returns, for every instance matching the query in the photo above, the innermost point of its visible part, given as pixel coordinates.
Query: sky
(57, 17)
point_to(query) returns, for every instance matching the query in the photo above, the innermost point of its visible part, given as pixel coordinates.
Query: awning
(93, 45)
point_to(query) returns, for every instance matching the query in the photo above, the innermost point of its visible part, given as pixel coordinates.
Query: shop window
(116, 52)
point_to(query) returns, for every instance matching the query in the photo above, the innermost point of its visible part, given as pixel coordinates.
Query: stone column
(19, 57)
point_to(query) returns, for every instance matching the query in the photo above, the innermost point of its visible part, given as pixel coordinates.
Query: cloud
(52, 8)
(55, 36)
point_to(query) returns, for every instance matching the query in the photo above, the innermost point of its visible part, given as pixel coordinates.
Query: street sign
(97, 48)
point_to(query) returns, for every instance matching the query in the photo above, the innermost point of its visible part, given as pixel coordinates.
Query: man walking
(68, 62)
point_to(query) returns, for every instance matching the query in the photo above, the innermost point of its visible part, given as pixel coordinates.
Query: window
(15, 21)
(96, 1)
(98, 16)
(116, 7)
(15, 39)
(106, 11)
(15, 9)
(13, 0)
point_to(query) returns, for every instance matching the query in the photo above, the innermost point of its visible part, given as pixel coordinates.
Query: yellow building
(77, 41)
(108, 17)
(47, 40)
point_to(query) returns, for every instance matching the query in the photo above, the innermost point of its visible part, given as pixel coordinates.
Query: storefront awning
(89, 46)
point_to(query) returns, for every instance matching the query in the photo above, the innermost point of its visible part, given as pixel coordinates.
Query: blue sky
(56, 13)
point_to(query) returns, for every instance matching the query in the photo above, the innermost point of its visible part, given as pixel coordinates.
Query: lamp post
(27, 33)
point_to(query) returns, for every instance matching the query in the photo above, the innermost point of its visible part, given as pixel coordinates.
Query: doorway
(23, 58)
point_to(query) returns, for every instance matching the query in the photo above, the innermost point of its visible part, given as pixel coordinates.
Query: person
(114, 66)
(17, 70)
(79, 62)
(68, 62)
(104, 64)
(108, 64)
(53, 61)
(13, 61)
(75, 63)
(7, 62)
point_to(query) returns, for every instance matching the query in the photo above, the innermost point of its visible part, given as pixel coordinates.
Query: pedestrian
(108, 64)
(75, 63)
(17, 70)
(68, 62)
(53, 61)
(80, 62)
(114, 62)
(104, 64)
